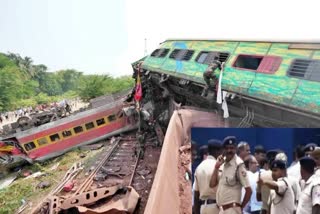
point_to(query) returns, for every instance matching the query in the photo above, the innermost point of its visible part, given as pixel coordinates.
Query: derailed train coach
(262, 84)
(58, 137)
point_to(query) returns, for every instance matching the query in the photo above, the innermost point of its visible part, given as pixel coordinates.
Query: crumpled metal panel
(127, 204)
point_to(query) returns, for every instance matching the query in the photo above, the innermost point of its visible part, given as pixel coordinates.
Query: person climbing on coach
(209, 74)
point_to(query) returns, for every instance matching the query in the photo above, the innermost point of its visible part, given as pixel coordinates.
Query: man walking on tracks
(207, 203)
(233, 178)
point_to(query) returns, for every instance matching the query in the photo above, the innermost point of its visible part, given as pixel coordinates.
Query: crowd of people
(229, 179)
(12, 116)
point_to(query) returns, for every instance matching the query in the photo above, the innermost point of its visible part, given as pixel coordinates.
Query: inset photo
(255, 170)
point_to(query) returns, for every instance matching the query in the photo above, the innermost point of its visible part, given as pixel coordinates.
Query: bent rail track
(115, 172)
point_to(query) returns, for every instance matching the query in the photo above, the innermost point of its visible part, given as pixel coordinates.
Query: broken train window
(305, 69)
(207, 57)
(160, 52)
(261, 64)
(181, 54)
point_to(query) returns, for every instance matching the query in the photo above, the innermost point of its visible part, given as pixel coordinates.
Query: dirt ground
(143, 179)
(185, 190)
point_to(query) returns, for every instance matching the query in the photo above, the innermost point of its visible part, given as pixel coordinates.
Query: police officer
(209, 74)
(281, 195)
(309, 201)
(204, 195)
(233, 178)
(263, 192)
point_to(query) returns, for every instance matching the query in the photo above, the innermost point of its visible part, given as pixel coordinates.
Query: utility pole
(145, 47)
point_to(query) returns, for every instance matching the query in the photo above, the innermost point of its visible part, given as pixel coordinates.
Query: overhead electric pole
(145, 47)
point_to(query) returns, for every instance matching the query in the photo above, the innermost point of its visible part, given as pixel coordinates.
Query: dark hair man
(281, 195)
(309, 201)
(204, 196)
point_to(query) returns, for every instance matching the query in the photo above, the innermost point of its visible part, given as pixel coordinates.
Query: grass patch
(10, 197)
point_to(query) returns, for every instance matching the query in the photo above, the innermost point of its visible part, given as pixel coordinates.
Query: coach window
(42, 141)
(78, 129)
(29, 146)
(160, 53)
(181, 54)
(89, 125)
(54, 137)
(250, 62)
(260, 64)
(206, 57)
(100, 121)
(305, 69)
(112, 117)
(66, 133)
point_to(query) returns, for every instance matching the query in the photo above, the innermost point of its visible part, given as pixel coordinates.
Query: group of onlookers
(230, 179)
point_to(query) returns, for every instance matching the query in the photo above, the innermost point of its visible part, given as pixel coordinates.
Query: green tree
(50, 84)
(69, 79)
(11, 87)
(92, 86)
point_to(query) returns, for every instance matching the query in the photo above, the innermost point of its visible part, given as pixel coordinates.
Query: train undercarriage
(243, 111)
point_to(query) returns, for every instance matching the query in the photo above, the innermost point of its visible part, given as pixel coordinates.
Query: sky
(106, 36)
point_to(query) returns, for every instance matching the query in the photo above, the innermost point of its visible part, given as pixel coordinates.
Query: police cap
(310, 147)
(230, 140)
(214, 143)
(278, 164)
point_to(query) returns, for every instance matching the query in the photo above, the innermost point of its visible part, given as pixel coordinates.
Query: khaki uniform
(283, 203)
(310, 195)
(232, 179)
(265, 191)
(202, 178)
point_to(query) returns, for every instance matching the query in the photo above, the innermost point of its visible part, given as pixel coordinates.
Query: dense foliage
(24, 84)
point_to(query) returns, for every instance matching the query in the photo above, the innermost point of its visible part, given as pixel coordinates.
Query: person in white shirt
(281, 195)
(243, 150)
(309, 201)
(252, 165)
(294, 169)
(204, 196)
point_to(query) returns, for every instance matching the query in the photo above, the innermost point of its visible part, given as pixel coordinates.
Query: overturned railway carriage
(55, 138)
(271, 84)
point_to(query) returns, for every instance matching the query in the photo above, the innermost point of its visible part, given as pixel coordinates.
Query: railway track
(115, 176)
